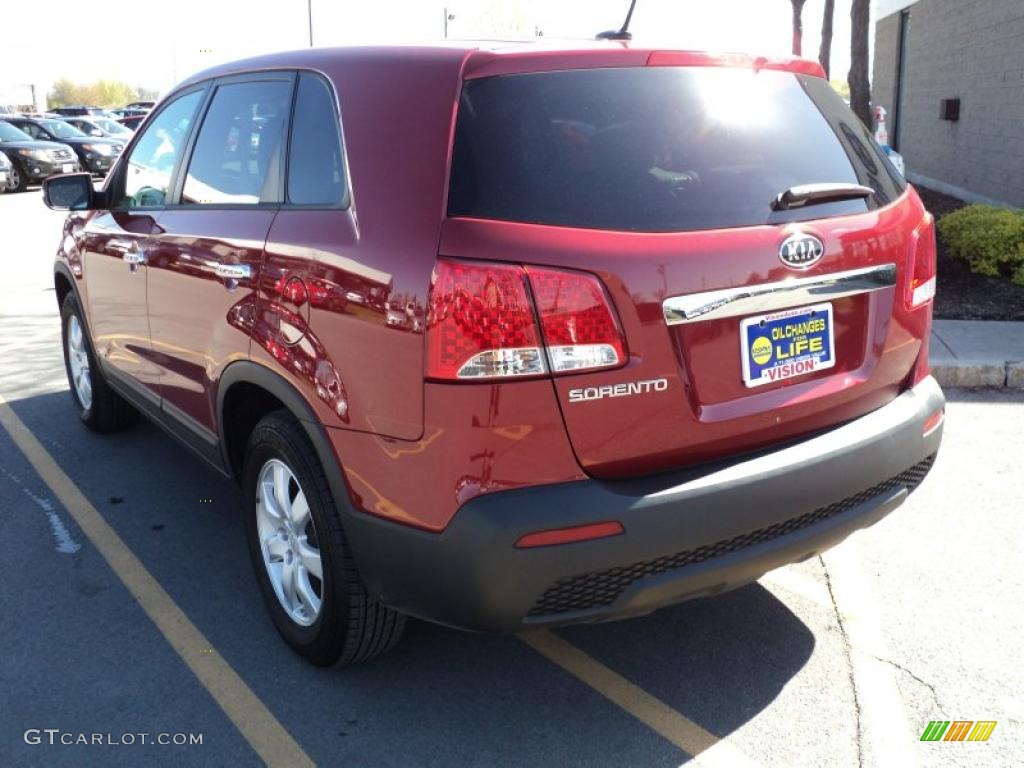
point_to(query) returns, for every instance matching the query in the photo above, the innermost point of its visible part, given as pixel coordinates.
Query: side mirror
(70, 192)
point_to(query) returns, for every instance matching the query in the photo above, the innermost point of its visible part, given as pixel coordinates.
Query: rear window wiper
(816, 194)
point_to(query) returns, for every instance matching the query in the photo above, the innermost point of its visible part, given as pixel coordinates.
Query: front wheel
(99, 407)
(18, 181)
(307, 575)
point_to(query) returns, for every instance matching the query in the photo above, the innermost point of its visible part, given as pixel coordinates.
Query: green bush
(989, 239)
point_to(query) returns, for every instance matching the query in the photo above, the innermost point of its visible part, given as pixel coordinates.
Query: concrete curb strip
(978, 353)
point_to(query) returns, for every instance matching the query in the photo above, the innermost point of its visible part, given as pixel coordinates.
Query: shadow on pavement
(443, 697)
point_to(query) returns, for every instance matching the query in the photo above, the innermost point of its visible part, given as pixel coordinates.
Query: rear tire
(294, 530)
(99, 407)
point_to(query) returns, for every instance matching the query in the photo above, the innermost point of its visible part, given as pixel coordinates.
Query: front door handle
(134, 257)
(121, 245)
(234, 271)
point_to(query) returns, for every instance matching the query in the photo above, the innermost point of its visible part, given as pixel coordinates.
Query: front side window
(238, 152)
(151, 162)
(34, 131)
(316, 166)
(61, 130)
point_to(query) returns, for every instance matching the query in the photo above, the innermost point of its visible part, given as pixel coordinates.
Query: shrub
(989, 239)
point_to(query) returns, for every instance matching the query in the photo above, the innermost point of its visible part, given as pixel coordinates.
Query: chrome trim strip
(766, 297)
(233, 271)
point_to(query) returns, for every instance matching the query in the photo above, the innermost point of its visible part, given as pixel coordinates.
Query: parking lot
(129, 607)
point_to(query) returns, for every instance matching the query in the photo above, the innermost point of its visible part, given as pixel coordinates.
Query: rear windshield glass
(657, 149)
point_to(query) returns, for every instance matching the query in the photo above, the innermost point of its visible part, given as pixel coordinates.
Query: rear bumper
(689, 533)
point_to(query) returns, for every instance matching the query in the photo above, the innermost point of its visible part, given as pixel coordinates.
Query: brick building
(951, 75)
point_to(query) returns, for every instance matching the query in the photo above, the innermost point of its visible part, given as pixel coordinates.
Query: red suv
(515, 336)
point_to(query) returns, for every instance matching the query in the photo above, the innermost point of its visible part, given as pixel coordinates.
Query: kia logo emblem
(801, 250)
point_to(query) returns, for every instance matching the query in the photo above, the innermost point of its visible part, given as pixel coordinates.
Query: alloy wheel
(78, 361)
(288, 541)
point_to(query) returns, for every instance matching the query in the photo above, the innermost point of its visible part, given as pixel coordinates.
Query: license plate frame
(798, 344)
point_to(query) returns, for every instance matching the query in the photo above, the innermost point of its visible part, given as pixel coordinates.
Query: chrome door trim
(766, 297)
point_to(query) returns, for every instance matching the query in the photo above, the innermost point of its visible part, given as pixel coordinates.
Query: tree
(798, 27)
(825, 52)
(102, 93)
(860, 86)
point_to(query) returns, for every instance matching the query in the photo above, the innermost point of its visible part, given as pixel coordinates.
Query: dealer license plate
(782, 345)
(67, 168)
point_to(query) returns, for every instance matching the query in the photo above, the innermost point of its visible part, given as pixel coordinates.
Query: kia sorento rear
(712, 270)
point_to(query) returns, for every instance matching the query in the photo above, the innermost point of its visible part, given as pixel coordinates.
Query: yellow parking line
(706, 748)
(260, 728)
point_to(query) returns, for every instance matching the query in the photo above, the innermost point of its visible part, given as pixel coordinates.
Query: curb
(971, 374)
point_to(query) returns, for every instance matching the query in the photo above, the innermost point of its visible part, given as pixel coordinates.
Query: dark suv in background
(625, 327)
(33, 160)
(95, 154)
(78, 110)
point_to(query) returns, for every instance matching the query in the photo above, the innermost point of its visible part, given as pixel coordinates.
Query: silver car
(6, 177)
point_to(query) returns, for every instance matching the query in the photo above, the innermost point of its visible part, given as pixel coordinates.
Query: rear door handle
(234, 271)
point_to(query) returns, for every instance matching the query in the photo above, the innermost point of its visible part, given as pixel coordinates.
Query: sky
(159, 44)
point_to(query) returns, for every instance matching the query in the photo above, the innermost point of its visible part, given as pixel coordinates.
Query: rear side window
(657, 149)
(237, 157)
(316, 166)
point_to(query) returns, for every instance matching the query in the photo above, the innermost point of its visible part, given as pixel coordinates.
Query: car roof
(494, 57)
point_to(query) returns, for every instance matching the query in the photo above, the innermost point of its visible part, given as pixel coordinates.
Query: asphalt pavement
(838, 661)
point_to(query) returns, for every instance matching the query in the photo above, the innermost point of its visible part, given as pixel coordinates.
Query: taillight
(482, 323)
(920, 286)
(580, 332)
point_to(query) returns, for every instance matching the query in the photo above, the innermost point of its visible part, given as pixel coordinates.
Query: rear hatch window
(657, 149)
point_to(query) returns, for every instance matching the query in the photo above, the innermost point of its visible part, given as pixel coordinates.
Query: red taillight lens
(576, 318)
(482, 324)
(920, 287)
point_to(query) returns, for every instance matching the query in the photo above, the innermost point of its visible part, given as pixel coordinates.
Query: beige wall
(974, 50)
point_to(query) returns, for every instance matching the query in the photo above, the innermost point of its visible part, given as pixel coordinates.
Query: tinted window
(316, 166)
(656, 148)
(34, 131)
(151, 162)
(9, 132)
(61, 130)
(237, 156)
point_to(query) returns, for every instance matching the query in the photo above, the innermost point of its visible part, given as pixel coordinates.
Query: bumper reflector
(933, 421)
(569, 535)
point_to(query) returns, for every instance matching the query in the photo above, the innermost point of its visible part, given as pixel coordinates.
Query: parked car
(78, 110)
(5, 173)
(100, 127)
(132, 122)
(96, 155)
(677, 312)
(32, 160)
